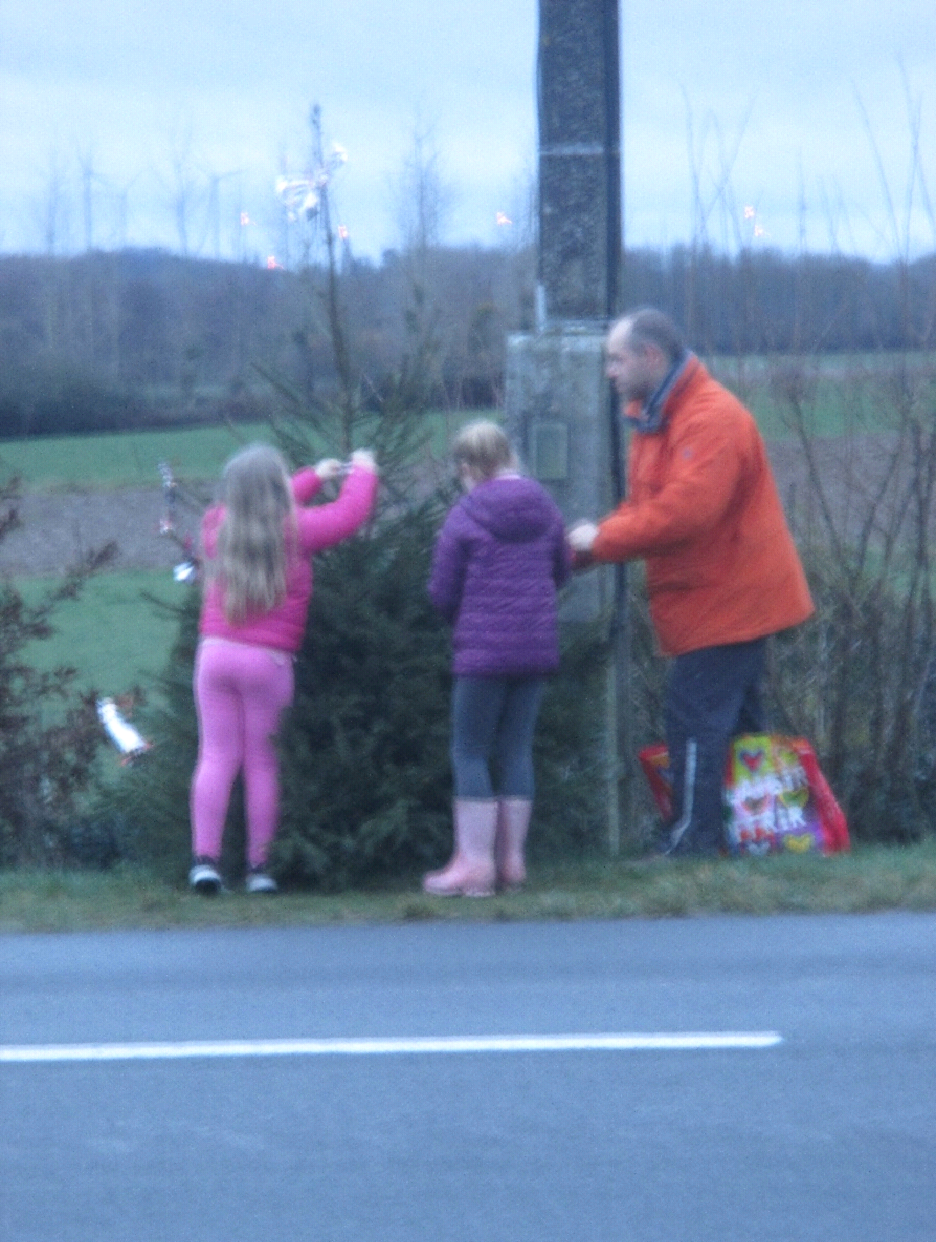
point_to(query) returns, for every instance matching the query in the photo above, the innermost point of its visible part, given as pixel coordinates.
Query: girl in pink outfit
(258, 544)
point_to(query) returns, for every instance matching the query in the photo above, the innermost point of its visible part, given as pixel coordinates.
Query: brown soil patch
(57, 532)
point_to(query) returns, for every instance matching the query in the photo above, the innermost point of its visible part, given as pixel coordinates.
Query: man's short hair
(649, 326)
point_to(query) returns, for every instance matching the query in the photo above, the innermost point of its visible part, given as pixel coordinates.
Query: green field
(131, 458)
(126, 459)
(113, 635)
(840, 394)
(838, 403)
(845, 397)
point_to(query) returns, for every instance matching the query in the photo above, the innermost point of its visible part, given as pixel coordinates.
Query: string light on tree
(301, 195)
(757, 231)
(186, 570)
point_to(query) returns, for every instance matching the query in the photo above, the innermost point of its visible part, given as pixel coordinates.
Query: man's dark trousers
(711, 695)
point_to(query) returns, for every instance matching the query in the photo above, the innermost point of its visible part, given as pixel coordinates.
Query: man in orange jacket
(722, 570)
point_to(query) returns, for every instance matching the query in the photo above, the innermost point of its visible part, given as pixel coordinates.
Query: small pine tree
(366, 785)
(365, 758)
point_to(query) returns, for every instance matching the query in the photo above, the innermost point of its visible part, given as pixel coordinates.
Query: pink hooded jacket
(317, 527)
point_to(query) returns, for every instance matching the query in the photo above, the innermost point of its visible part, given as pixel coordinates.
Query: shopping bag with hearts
(776, 797)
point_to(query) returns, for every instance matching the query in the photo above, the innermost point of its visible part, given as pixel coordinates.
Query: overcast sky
(111, 110)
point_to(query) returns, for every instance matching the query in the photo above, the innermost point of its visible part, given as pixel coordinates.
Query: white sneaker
(205, 877)
(260, 882)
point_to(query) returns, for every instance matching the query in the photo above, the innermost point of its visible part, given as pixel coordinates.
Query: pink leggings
(240, 694)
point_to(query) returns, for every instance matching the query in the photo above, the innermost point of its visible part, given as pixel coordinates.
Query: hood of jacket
(512, 508)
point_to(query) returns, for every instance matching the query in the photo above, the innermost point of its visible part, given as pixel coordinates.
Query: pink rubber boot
(470, 871)
(513, 821)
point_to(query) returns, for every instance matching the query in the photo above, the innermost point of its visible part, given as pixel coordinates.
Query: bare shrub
(861, 677)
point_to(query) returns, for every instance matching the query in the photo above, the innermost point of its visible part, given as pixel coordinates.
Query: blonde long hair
(258, 525)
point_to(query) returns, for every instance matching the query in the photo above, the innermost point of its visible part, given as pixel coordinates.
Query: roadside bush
(147, 809)
(860, 679)
(49, 734)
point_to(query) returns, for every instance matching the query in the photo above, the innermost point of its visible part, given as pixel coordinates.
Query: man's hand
(582, 536)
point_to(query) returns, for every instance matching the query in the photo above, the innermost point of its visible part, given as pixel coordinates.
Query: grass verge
(869, 879)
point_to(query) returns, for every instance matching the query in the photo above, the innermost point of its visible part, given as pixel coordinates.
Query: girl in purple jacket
(257, 545)
(498, 563)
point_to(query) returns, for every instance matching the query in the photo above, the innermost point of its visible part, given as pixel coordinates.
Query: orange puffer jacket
(704, 513)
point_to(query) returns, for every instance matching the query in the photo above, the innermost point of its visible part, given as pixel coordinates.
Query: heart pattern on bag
(752, 759)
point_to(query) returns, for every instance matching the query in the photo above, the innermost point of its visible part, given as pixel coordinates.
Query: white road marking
(190, 1050)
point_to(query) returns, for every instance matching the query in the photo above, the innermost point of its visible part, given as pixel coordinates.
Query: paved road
(828, 1135)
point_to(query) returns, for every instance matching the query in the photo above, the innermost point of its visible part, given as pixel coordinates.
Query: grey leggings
(493, 719)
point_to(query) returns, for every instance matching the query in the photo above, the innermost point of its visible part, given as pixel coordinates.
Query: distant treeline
(106, 341)
(766, 302)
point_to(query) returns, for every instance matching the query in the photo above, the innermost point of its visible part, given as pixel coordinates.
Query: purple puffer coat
(498, 561)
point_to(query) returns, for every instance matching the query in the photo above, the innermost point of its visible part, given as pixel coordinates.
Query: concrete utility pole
(558, 404)
(579, 162)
